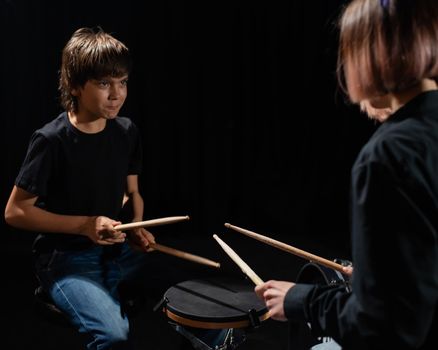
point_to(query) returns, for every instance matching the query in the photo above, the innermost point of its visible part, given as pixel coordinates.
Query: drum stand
(211, 339)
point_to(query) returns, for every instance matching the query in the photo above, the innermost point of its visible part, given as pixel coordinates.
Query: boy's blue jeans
(84, 285)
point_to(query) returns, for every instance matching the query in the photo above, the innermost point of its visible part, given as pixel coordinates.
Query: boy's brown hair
(90, 54)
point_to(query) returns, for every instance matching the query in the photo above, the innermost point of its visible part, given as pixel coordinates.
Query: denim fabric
(84, 285)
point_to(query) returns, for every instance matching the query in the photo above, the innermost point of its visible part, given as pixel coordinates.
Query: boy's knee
(114, 338)
(118, 338)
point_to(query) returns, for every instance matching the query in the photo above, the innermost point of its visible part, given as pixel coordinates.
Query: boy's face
(102, 98)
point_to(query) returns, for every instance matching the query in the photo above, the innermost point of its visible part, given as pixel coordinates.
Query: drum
(213, 314)
(300, 335)
(318, 274)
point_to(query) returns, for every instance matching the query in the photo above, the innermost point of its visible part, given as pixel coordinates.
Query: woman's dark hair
(387, 46)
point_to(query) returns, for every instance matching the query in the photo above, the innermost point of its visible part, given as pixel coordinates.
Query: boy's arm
(139, 238)
(21, 212)
(135, 197)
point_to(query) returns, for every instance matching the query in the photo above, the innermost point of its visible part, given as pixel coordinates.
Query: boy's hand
(140, 238)
(101, 231)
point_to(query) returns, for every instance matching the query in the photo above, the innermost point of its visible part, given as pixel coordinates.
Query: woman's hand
(348, 271)
(273, 293)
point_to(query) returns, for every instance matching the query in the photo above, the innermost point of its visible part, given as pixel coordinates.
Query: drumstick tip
(227, 225)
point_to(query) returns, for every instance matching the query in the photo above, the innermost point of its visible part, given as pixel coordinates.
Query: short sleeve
(35, 170)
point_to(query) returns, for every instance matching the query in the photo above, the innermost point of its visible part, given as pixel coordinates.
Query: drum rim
(330, 276)
(312, 266)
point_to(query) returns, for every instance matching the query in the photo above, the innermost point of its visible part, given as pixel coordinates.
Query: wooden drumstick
(184, 255)
(243, 265)
(288, 248)
(153, 222)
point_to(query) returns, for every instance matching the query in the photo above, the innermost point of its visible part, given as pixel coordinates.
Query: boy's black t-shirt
(75, 173)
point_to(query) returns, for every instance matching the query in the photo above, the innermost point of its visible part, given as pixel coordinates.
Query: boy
(71, 188)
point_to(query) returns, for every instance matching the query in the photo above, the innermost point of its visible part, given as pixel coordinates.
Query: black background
(241, 119)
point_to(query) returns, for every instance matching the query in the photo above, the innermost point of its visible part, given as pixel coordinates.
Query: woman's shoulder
(398, 147)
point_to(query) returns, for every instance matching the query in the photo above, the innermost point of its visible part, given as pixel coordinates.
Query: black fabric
(74, 173)
(395, 243)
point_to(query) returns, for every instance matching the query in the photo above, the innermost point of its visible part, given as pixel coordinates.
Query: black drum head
(215, 303)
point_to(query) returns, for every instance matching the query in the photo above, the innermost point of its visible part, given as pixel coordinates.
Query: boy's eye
(125, 82)
(103, 83)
